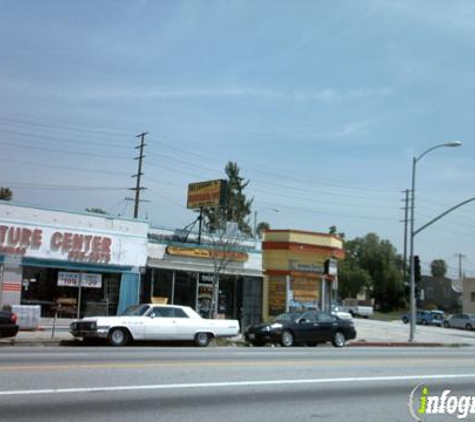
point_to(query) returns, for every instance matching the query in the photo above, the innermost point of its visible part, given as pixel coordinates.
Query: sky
(322, 104)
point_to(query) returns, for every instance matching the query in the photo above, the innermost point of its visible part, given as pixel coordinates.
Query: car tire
(469, 327)
(339, 339)
(202, 339)
(446, 324)
(287, 339)
(405, 320)
(118, 337)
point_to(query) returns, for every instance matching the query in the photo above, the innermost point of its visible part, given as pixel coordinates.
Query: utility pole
(405, 221)
(138, 186)
(460, 257)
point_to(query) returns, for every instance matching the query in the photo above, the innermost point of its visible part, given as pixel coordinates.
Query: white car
(154, 322)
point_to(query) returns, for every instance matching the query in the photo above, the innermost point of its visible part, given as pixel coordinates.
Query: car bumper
(9, 331)
(263, 337)
(100, 333)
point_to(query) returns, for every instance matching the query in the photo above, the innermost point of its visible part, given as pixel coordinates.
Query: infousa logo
(421, 404)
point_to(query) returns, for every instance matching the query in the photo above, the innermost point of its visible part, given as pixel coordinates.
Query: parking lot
(397, 331)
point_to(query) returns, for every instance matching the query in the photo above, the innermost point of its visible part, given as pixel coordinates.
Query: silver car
(466, 321)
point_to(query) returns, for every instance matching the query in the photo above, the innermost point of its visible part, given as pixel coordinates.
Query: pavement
(371, 333)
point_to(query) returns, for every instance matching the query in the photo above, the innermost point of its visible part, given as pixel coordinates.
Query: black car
(305, 328)
(8, 325)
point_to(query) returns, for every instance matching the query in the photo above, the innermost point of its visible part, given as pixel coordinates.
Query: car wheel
(339, 339)
(405, 320)
(287, 339)
(446, 324)
(202, 339)
(118, 337)
(469, 327)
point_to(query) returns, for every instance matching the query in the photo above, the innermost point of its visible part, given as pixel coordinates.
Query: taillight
(13, 318)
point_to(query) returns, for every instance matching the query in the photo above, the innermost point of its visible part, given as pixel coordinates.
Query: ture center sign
(207, 194)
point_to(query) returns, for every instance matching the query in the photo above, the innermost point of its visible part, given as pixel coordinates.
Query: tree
(222, 252)
(96, 210)
(237, 208)
(6, 194)
(261, 227)
(438, 268)
(373, 264)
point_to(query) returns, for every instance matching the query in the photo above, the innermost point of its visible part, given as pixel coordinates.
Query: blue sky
(322, 104)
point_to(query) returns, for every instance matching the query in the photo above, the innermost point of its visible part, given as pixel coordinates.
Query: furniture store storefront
(299, 270)
(88, 264)
(182, 273)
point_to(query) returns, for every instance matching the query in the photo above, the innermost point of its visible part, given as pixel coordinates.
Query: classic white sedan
(154, 322)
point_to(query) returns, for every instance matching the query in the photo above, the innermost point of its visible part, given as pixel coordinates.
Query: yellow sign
(206, 253)
(206, 194)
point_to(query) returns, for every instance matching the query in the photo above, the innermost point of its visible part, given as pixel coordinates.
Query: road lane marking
(233, 384)
(237, 363)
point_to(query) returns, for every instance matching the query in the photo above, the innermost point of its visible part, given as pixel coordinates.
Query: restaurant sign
(205, 253)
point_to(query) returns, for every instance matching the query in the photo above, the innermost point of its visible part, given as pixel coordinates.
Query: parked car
(426, 317)
(308, 328)
(466, 321)
(357, 308)
(154, 322)
(339, 312)
(8, 324)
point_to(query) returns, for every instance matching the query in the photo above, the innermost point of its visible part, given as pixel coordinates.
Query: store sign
(50, 243)
(206, 194)
(296, 265)
(206, 253)
(87, 280)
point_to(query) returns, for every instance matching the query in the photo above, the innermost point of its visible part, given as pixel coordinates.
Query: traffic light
(417, 268)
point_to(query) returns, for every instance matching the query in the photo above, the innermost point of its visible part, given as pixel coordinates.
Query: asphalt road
(225, 384)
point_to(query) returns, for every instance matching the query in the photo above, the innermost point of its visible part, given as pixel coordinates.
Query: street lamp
(451, 144)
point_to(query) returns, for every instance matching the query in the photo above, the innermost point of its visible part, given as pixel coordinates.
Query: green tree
(6, 194)
(237, 208)
(438, 268)
(261, 227)
(373, 264)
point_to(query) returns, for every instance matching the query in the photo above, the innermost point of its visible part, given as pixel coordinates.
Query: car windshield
(288, 317)
(136, 310)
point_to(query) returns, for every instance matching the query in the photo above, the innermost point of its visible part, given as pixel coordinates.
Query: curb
(404, 344)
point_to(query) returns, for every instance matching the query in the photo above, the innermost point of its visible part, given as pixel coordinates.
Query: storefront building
(181, 271)
(90, 264)
(299, 270)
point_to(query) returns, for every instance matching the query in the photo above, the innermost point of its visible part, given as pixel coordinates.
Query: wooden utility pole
(138, 186)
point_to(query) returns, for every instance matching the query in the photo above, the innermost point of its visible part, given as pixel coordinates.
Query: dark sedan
(306, 328)
(8, 325)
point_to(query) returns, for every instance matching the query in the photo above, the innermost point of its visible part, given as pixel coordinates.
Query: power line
(64, 128)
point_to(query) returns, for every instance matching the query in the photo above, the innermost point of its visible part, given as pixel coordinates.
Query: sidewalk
(370, 334)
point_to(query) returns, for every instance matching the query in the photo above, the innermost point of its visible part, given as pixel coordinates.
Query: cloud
(326, 95)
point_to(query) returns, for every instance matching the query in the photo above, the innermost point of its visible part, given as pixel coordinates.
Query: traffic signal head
(417, 268)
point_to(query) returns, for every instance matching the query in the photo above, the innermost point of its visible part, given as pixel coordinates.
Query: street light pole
(451, 144)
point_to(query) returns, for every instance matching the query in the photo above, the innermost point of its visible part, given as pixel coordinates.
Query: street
(233, 384)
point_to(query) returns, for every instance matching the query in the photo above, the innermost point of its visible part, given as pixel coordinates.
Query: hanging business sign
(206, 194)
(87, 280)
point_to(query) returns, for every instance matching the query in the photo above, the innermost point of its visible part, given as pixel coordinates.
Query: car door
(456, 321)
(187, 327)
(328, 324)
(160, 324)
(306, 329)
